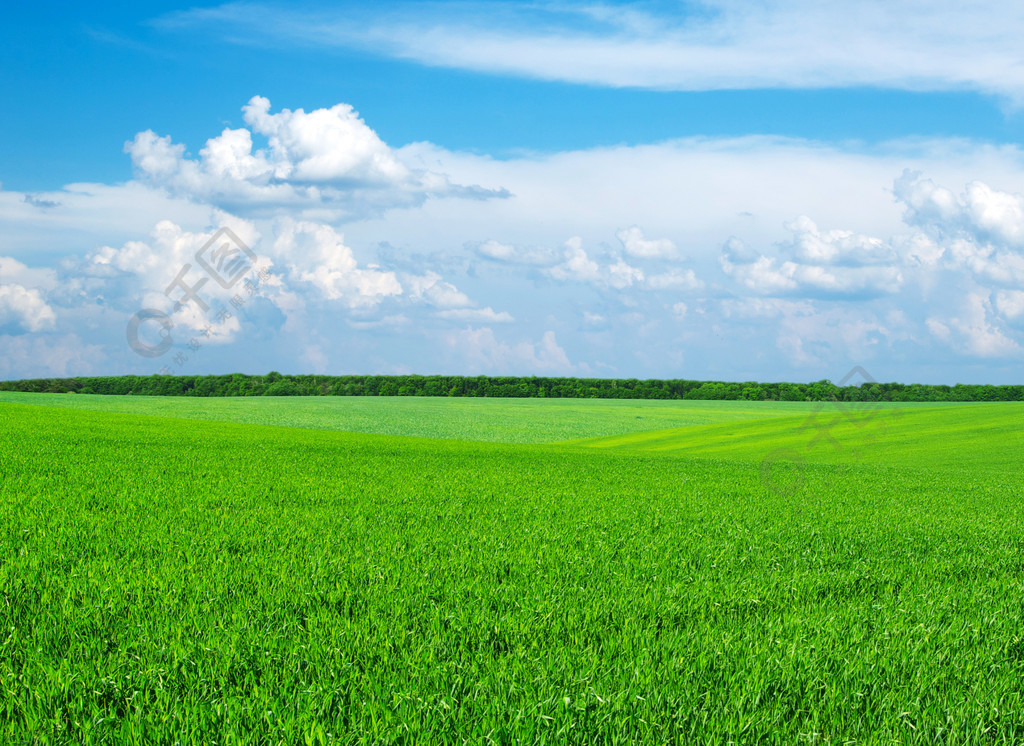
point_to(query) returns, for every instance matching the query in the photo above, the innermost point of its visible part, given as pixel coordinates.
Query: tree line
(277, 384)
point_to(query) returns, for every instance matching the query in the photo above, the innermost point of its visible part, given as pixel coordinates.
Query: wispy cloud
(717, 44)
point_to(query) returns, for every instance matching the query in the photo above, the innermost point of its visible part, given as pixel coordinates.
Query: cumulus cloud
(1010, 304)
(25, 308)
(25, 305)
(835, 247)
(577, 266)
(496, 250)
(975, 331)
(450, 303)
(968, 245)
(163, 273)
(835, 263)
(154, 261)
(308, 272)
(980, 213)
(982, 229)
(431, 289)
(13, 271)
(483, 351)
(325, 158)
(622, 275)
(316, 254)
(920, 251)
(324, 145)
(803, 295)
(635, 244)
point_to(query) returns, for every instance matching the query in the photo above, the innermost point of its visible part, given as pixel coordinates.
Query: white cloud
(721, 44)
(835, 247)
(495, 250)
(981, 213)
(313, 272)
(49, 356)
(324, 145)
(675, 279)
(635, 244)
(26, 308)
(317, 254)
(162, 273)
(770, 276)
(836, 263)
(751, 308)
(507, 253)
(434, 291)
(13, 271)
(974, 332)
(997, 214)
(481, 315)
(981, 230)
(938, 330)
(577, 266)
(593, 193)
(621, 275)
(815, 334)
(156, 261)
(90, 215)
(483, 351)
(1010, 303)
(392, 321)
(326, 158)
(921, 251)
(805, 296)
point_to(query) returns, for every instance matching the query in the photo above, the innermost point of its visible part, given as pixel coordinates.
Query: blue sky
(657, 189)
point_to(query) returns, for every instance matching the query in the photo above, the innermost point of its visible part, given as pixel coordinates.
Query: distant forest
(277, 384)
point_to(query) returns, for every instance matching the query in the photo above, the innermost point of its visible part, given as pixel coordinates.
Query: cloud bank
(733, 258)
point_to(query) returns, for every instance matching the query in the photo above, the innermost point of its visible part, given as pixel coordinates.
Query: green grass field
(237, 571)
(492, 420)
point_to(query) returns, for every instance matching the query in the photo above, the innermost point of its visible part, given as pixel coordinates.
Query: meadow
(492, 420)
(471, 571)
